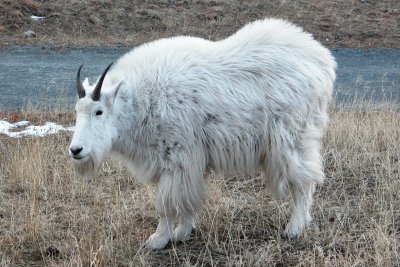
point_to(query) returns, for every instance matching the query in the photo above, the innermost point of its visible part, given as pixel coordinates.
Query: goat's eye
(99, 112)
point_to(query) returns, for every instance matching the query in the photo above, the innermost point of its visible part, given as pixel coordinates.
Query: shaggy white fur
(256, 100)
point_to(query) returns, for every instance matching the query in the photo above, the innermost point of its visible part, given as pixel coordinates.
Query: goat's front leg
(167, 211)
(180, 195)
(186, 224)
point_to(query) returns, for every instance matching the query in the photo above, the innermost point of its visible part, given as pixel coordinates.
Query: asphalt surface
(44, 77)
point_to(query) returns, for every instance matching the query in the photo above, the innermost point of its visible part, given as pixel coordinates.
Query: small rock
(29, 34)
(212, 16)
(52, 252)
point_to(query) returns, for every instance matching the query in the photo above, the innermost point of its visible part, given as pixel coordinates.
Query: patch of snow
(37, 17)
(21, 123)
(5, 126)
(31, 130)
(70, 129)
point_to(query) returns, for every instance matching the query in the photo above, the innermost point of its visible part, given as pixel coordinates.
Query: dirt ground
(340, 23)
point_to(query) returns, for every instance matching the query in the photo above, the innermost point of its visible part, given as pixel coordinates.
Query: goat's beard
(87, 168)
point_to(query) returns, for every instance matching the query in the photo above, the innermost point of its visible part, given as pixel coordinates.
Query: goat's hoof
(182, 234)
(291, 233)
(156, 242)
(290, 237)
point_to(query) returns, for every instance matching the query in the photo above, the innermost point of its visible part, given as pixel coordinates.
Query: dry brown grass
(48, 217)
(339, 23)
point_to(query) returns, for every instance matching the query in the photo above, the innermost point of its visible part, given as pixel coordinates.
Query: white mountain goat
(174, 109)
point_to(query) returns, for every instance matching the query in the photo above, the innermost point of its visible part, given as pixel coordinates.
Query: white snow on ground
(37, 17)
(21, 123)
(31, 130)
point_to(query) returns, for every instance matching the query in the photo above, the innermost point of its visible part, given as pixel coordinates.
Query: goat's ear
(117, 90)
(111, 97)
(86, 83)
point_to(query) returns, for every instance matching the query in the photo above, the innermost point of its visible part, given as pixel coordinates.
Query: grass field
(49, 217)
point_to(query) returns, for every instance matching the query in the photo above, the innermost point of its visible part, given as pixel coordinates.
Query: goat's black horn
(79, 86)
(97, 89)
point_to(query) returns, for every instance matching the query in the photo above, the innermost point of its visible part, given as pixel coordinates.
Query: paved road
(45, 77)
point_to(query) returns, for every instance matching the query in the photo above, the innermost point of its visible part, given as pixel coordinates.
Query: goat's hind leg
(302, 180)
(300, 214)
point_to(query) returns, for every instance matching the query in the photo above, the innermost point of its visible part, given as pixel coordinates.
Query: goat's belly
(240, 154)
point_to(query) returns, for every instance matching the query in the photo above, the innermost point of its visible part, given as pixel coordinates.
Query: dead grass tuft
(48, 217)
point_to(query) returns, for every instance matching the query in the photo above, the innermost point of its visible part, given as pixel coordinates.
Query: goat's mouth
(79, 157)
(86, 165)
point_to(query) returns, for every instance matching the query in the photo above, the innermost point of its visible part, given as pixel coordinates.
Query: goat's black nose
(76, 150)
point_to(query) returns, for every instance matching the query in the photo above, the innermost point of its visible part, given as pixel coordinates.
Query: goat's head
(94, 129)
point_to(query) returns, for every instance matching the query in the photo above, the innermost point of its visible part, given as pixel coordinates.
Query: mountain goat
(174, 109)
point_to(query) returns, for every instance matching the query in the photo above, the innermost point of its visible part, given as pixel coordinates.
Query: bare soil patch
(340, 23)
